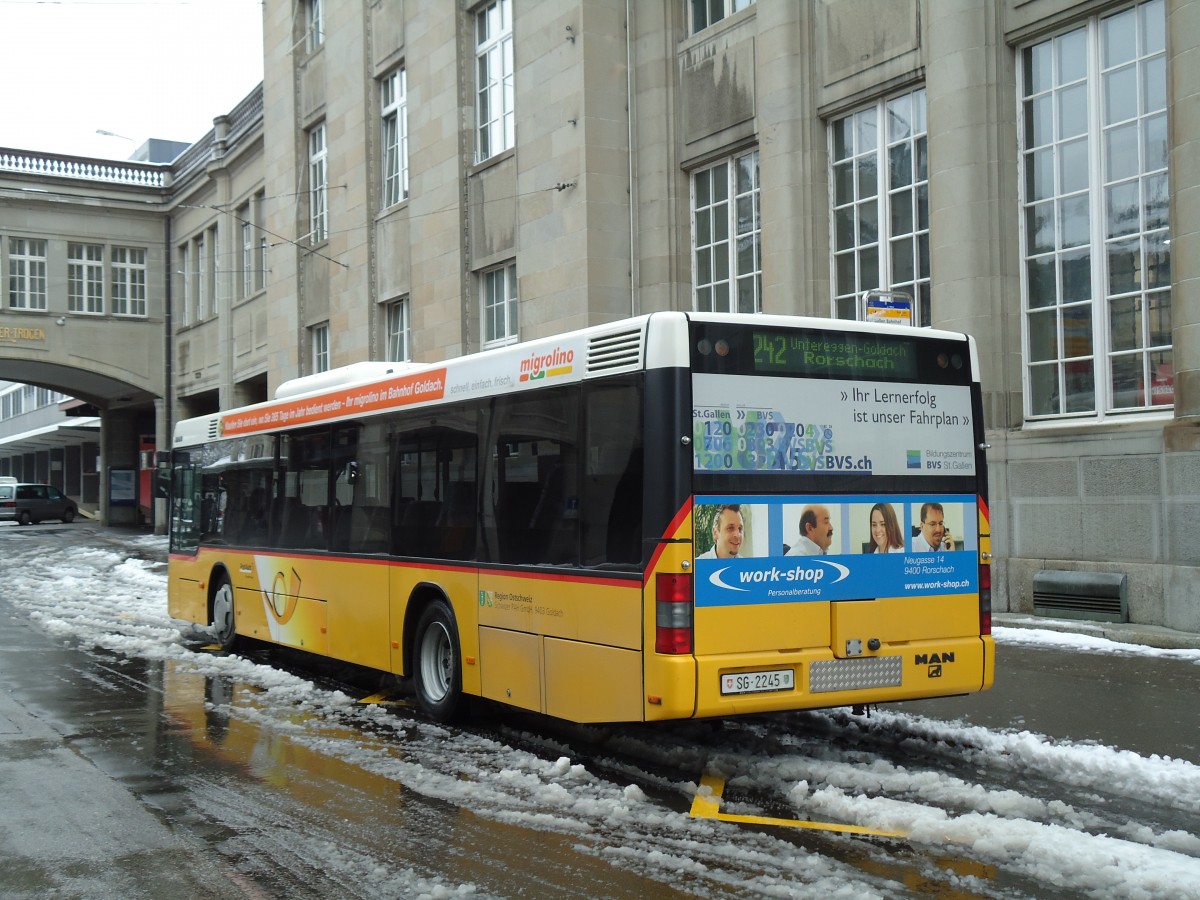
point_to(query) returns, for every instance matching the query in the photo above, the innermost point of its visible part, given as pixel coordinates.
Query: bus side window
(361, 489)
(300, 518)
(185, 503)
(531, 502)
(436, 499)
(611, 508)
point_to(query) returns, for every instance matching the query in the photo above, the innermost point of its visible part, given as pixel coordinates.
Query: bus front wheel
(437, 676)
(224, 623)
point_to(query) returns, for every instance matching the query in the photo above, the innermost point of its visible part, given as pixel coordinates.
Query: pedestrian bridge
(84, 263)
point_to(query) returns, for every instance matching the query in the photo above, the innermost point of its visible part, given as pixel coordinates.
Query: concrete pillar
(975, 255)
(1183, 122)
(119, 434)
(162, 444)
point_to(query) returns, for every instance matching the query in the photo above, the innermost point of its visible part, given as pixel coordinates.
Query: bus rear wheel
(437, 672)
(224, 622)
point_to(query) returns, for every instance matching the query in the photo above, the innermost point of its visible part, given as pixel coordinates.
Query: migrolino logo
(548, 365)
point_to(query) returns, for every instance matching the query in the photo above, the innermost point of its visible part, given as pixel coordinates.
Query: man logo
(924, 659)
(935, 671)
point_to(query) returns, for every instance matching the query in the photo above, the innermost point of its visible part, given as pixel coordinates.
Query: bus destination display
(838, 355)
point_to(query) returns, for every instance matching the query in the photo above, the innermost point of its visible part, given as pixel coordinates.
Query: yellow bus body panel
(902, 620)
(460, 586)
(187, 596)
(965, 666)
(769, 627)
(510, 668)
(592, 683)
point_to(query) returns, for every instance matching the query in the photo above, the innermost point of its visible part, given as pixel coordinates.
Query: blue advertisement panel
(755, 549)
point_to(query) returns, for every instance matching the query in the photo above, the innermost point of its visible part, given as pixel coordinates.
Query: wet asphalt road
(234, 806)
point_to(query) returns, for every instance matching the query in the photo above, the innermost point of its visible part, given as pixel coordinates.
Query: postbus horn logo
(548, 365)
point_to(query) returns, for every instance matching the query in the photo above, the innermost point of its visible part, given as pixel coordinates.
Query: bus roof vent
(620, 351)
(214, 428)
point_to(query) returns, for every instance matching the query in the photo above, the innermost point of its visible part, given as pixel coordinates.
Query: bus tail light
(985, 599)
(673, 614)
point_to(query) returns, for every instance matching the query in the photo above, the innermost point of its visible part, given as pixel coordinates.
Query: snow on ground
(1084, 642)
(959, 791)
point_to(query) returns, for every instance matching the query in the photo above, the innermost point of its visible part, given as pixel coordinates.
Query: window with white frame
(318, 186)
(879, 199)
(399, 348)
(709, 12)
(247, 229)
(260, 229)
(129, 281)
(26, 273)
(1096, 279)
(212, 274)
(85, 278)
(314, 24)
(727, 236)
(393, 102)
(201, 277)
(320, 347)
(499, 305)
(185, 299)
(494, 101)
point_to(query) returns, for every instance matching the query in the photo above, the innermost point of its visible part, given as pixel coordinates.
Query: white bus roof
(656, 340)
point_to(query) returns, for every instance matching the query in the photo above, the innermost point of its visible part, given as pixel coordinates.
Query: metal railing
(82, 168)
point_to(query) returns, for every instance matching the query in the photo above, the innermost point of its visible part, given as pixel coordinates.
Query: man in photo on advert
(934, 536)
(728, 531)
(816, 532)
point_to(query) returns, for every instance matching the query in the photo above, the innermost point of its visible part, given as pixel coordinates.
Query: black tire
(68, 516)
(224, 617)
(25, 518)
(437, 663)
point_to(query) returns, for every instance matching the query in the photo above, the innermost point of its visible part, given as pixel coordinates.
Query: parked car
(34, 502)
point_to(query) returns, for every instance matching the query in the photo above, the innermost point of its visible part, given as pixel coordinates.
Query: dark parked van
(34, 502)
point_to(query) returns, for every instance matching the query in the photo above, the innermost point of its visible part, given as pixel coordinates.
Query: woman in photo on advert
(885, 530)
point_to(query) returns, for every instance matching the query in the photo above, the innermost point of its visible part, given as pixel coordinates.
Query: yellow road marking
(707, 805)
(384, 698)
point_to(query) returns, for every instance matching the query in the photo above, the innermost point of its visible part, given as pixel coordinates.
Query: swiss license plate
(758, 682)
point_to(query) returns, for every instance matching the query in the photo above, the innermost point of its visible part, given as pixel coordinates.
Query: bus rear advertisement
(674, 516)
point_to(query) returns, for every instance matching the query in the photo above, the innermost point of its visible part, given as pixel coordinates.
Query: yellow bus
(673, 516)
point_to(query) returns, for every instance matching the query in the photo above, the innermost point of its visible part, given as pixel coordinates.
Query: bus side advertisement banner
(831, 426)
(836, 547)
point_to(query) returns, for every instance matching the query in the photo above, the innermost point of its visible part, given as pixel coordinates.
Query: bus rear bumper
(746, 683)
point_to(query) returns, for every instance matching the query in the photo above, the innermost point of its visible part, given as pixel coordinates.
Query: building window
(399, 348)
(318, 212)
(879, 196)
(26, 273)
(393, 101)
(500, 305)
(1096, 279)
(260, 229)
(494, 80)
(727, 236)
(247, 228)
(129, 281)
(85, 278)
(201, 277)
(314, 24)
(709, 12)
(185, 300)
(320, 348)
